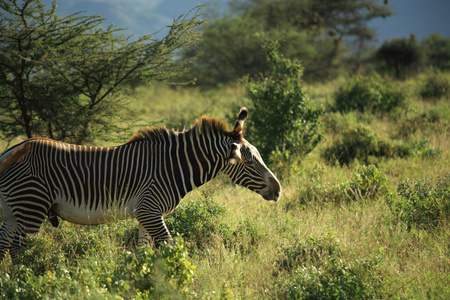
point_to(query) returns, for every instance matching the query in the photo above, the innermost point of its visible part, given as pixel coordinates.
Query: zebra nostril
(276, 194)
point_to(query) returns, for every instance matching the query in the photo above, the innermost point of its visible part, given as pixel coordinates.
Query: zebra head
(246, 166)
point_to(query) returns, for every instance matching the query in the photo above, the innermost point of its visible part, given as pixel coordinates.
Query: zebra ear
(243, 114)
(235, 155)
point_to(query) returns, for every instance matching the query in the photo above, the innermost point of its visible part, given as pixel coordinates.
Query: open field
(339, 230)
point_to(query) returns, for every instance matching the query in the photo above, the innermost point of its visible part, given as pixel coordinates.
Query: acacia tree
(64, 78)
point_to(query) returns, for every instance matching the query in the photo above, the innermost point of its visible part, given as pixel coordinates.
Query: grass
(338, 245)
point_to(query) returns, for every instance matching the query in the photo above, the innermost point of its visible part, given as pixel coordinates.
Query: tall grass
(334, 234)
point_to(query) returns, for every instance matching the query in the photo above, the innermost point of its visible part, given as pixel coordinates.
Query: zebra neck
(195, 158)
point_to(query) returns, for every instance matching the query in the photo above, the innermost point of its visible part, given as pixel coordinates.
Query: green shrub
(284, 119)
(198, 220)
(319, 193)
(400, 56)
(314, 250)
(421, 203)
(371, 93)
(437, 50)
(22, 283)
(316, 269)
(369, 182)
(359, 143)
(430, 121)
(363, 143)
(335, 279)
(246, 236)
(148, 274)
(436, 86)
(418, 148)
(41, 255)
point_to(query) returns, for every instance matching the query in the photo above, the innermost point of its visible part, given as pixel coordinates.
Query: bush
(371, 93)
(151, 273)
(369, 182)
(421, 203)
(313, 250)
(400, 56)
(147, 275)
(284, 119)
(437, 50)
(359, 143)
(246, 236)
(198, 220)
(319, 193)
(363, 143)
(436, 86)
(335, 279)
(318, 271)
(430, 121)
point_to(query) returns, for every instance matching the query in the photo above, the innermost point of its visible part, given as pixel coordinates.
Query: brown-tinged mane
(14, 157)
(204, 124)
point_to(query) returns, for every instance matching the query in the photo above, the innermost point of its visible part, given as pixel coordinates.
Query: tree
(437, 51)
(400, 56)
(64, 78)
(313, 31)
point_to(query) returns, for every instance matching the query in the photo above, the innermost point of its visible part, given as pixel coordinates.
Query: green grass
(321, 240)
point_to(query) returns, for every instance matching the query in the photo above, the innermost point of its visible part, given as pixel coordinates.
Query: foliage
(364, 144)
(314, 250)
(369, 183)
(311, 31)
(357, 143)
(198, 220)
(371, 93)
(336, 279)
(224, 52)
(435, 120)
(246, 236)
(436, 86)
(400, 56)
(145, 275)
(437, 51)
(319, 193)
(423, 204)
(283, 118)
(319, 272)
(151, 273)
(71, 86)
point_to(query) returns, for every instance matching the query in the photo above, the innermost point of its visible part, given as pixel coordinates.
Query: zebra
(145, 178)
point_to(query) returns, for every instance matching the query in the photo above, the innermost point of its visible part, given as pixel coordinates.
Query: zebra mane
(205, 124)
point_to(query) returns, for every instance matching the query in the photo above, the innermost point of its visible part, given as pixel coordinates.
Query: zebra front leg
(153, 230)
(30, 226)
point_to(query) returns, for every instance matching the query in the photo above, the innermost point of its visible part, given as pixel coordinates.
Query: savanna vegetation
(365, 168)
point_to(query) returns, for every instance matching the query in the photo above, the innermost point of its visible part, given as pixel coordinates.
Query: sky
(421, 17)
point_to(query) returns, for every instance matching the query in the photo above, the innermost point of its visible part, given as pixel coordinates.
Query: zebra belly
(84, 215)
